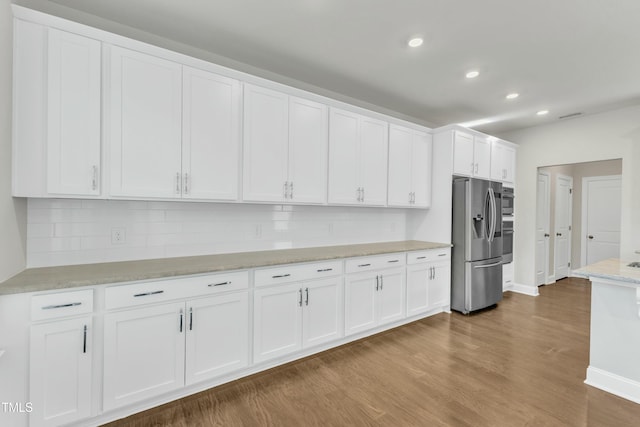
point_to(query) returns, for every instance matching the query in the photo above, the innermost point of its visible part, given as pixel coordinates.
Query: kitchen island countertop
(71, 276)
(612, 269)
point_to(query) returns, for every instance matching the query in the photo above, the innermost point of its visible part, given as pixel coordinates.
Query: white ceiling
(566, 56)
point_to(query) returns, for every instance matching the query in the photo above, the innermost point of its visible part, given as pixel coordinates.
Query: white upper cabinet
(210, 136)
(357, 159)
(57, 112)
(308, 151)
(410, 153)
(145, 115)
(503, 162)
(285, 147)
(471, 155)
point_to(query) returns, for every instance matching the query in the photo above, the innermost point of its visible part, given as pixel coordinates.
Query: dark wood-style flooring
(521, 364)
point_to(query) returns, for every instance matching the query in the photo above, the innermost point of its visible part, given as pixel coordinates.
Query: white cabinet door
(391, 295)
(344, 160)
(440, 285)
(497, 161)
(482, 157)
(277, 321)
(210, 136)
(463, 162)
(143, 353)
(308, 151)
(418, 276)
(145, 116)
(217, 340)
(323, 311)
(509, 162)
(421, 166)
(265, 144)
(400, 166)
(360, 302)
(60, 377)
(373, 161)
(73, 107)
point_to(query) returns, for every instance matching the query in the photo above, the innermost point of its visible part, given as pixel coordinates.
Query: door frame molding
(583, 219)
(546, 244)
(555, 241)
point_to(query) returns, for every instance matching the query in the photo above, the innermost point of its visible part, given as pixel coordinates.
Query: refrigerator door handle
(493, 214)
(495, 264)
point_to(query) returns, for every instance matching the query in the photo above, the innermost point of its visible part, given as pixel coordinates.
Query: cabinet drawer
(297, 273)
(355, 265)
(61, 304)
(178, 288)
(428, 256)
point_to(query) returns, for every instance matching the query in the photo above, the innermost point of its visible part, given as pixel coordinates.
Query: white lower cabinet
(60, 371)
(428, 281)
(157, 349)
(143, 353)
(374, 298)
(290, 317)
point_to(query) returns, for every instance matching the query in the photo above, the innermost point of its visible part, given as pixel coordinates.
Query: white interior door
(542, 228)
(562, 249)
(601, 204)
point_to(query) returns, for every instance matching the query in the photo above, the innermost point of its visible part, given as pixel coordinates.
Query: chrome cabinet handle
(94, 179)
(285, 189)
(178, 183)
(291, 190)
(148, 293)
(84, 340)
(306, 302)
(364, 265)
(71, 304)
(381, 282)
(181, 318)
(476, 168)
(421, 257)
(322, 270)
(442, 254)
(394, 260)
(377, 282)
(362, 195)
(191, 318)
(186, 183)
(220, 284)
(300, 301)
(280, 276)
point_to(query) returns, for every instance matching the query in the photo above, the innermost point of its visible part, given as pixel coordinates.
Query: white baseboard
(614, 384)
(532, 291)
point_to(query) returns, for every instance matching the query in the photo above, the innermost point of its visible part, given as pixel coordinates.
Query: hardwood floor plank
(521, 364)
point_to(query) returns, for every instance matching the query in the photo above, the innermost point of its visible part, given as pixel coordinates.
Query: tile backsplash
(65, 232)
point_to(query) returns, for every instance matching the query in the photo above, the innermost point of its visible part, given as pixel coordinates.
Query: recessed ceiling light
(542, 112)
(415, 42)
(472, 74)
(512, 95)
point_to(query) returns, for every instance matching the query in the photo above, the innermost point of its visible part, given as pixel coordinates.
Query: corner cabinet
(57, 113)
(357, 159)
(285, 147)
(410, 159)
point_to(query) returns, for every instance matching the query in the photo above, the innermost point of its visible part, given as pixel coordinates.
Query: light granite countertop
(613, 269)
(71, 276)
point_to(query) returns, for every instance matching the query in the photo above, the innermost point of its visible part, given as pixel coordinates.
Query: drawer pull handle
(71, 304)
(322, 270)
(364, 265)
(148, 293)
(228, 282)
(394, 260)
(280, 276)
(421, 257)
(442, 254)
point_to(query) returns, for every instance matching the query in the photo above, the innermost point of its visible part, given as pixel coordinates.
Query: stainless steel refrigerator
(476, 274)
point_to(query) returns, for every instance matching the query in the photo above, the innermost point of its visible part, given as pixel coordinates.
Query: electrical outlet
(118, 235)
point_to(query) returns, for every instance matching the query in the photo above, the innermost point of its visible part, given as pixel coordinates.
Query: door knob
(546, 234)
(590, 237)
(558, 234)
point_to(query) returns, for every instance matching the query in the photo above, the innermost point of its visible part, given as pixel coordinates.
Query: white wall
(12, 212)
(610, 135)
(63, 232)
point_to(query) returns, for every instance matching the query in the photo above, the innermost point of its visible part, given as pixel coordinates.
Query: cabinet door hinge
(571, 191)
(568, 264)
(569, 228)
